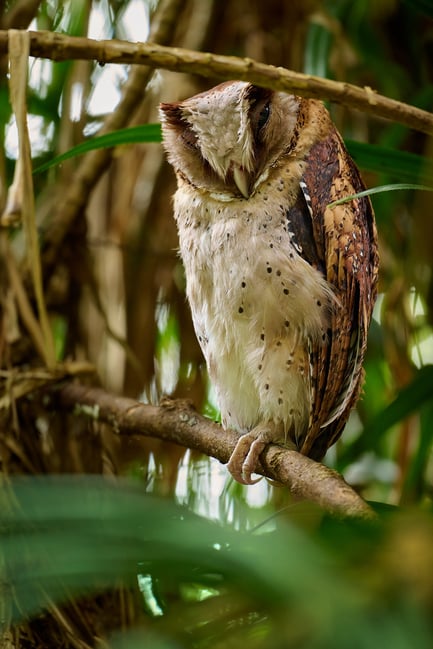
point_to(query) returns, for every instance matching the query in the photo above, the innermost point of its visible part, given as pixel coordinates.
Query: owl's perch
(178, 422)
(62, 47)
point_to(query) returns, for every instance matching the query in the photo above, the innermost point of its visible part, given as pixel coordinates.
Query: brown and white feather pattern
(281, 286)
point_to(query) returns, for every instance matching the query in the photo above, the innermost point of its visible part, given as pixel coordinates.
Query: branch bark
(59, 47)
(178, 422)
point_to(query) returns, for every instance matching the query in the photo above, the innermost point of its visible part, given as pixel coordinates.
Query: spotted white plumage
(281, 286)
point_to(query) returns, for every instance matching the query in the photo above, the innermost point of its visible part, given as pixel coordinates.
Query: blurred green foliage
(205, 584)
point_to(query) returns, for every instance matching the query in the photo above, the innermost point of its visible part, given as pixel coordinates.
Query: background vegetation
(183, 557)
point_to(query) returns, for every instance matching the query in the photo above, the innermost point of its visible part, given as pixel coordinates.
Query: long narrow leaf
(65, 536)
(401, 165)
(132, 135)
(382, 188)
(409, 400)
(317, 48)
(413, 487)
(74, 533)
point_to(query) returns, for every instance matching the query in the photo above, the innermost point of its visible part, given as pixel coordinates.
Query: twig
(21, 13)
(19, 383)
(59, 47)
(25, 309)
(178, 422)
(18, 62)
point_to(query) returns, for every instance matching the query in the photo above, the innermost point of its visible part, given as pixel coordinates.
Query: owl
(280, 282)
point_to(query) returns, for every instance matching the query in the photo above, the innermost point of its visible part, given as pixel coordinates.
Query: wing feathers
(344, 239)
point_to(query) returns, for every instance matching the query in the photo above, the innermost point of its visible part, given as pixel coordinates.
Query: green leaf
(415, 482)
(404, 166)
(410, 399)
(317, 48)
(80, 533)
(378, 190)
(63, 536)
(132, 135)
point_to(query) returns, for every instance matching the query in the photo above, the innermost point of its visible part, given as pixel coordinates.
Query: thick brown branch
(177, 421)
(60, 47)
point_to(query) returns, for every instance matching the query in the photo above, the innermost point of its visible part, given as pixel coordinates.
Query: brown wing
(345, 248)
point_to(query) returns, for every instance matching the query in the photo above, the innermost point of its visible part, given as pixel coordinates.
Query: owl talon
(246, 454)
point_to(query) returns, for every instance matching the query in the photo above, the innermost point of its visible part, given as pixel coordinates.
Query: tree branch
(61, 47)
(178, 422)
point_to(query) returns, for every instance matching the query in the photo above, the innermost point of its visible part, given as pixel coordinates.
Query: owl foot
(245, 457)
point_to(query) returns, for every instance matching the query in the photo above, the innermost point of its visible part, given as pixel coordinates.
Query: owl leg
(245, 457)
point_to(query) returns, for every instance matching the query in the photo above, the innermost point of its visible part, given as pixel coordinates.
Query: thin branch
(60, 47)
(18, 64)
(19, 383)
(21, 14)
(178, 422)
(24, 306)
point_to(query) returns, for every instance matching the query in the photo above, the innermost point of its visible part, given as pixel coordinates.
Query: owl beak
(242, 180)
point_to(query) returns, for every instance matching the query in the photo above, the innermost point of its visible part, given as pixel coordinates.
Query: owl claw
(246, 455)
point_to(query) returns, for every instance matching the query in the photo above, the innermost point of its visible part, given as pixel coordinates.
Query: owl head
(226, 139)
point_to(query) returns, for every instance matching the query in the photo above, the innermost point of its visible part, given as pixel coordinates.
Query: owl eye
(264, 115)
(189, 138)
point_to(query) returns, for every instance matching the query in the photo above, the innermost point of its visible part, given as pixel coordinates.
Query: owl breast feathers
(281, 284)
